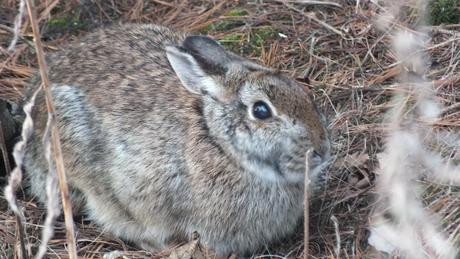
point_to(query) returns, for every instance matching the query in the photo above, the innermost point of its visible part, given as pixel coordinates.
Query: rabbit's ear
(196, 61)
(209, 54)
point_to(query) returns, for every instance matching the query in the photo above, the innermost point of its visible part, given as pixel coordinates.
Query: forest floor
(337, 50)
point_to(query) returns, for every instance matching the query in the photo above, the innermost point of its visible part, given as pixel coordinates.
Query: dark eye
(261, 110)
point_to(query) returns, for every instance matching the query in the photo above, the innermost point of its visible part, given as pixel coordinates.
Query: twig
(17, 25)
(311, 2)
(52, 203)
(337, 236)
(15, 178)
(47, 11)
(312, 17)
(306, 204)
(11, 30)
(56, 145)
(6, 161)
(176, 13)
(164, 3)
(4, 151)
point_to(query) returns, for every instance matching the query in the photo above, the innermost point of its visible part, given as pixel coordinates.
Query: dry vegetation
(339, 50)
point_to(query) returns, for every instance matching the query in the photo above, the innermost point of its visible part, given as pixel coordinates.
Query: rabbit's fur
(159, 139)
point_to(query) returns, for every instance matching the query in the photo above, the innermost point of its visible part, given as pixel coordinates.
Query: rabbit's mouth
(293, 165)
(281, 162)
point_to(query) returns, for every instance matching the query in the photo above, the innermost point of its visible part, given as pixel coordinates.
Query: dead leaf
(186, 251)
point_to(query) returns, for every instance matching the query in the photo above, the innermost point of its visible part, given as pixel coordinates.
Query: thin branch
(15, 178)
(337, 236)
(56, 145)
(17, 26)
(312, 2)
(312, 17)
(11, 30)
(164, 3)
(6, 160)
(306, 204)
(52, 193)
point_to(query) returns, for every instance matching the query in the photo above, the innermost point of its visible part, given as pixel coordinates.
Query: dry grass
(340, 53)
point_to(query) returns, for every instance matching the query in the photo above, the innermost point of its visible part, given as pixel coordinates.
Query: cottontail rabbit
(164, 134)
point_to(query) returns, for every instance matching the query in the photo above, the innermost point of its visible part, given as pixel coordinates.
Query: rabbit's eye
(261, 110)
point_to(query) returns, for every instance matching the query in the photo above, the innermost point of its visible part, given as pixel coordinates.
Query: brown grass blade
(56, 145)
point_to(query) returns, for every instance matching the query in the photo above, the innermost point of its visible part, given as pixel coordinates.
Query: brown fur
(158, 139)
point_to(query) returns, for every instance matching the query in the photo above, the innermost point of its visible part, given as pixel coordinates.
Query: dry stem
(306, 205)
(15, 177)
(6, 161)
(17, 26)
(56, 145)
(312, 17)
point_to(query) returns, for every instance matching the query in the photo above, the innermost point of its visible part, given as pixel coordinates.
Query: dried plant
(15, 178)
(52, 129)
(52, 146)
(403, 224)
(52, 192)
(17, 25)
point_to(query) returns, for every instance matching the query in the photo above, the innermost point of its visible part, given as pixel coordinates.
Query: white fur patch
(263, 171)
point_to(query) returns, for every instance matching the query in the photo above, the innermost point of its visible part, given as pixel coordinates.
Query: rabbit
(165, 133)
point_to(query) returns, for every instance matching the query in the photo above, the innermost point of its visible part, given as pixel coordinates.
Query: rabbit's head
(263, 119)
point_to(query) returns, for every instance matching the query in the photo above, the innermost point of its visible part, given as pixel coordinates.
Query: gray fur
(152, 160)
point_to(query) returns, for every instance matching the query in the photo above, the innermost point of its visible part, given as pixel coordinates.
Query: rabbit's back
(119, 68)
(115, 94)
(121, 84)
